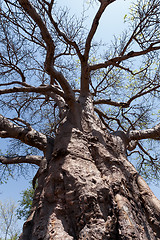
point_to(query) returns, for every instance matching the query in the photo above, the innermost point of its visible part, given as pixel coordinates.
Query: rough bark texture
(89, 190)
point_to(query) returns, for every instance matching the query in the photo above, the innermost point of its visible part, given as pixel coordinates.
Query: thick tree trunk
(90, 190)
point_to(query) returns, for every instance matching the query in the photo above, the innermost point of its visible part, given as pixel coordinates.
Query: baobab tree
(88, 111)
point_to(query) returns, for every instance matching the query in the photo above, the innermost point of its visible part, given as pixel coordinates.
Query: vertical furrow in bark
(89, 190)
(151, 205)
(121, 177)
(80, 199)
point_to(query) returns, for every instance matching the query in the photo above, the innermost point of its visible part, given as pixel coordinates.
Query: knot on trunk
(127, 144)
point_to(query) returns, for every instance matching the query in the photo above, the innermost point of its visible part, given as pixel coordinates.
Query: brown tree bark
(89, 190)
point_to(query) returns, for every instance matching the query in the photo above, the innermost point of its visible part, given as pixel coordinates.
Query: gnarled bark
(90, 190)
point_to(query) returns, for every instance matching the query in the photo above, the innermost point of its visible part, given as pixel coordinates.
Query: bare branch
(141, 93)
(147, 153)
(48, 90)
(94, 26)
(28, 136)
(63, 35)
(12, 66)
(70, 97)
(153, 133)
(115, 61)
(112, 103)
(15, 82)
(34, 159)
(85, 72)
(101, 114)
(29, 9)
(45, 90)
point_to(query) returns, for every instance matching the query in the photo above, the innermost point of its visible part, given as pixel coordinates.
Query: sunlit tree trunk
(90, 190)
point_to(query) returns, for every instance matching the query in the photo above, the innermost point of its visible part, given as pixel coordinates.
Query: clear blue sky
(110, 24)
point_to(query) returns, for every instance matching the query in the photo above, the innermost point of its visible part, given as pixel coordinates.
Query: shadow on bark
(91, 191)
